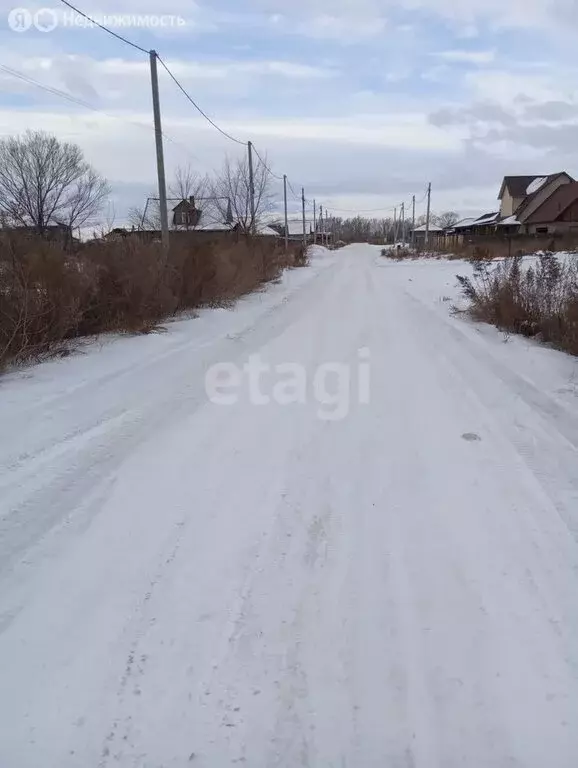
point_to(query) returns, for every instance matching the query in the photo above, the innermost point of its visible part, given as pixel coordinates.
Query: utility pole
(303, 210)
(314, 222)
(286, 222)
(160, 156)
(403, 223)
(413, 222)
(426, 239)
(394, 226)
(252, 188)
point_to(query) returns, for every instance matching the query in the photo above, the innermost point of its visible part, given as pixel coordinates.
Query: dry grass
(49, 296)
(399, 254)
(537, 299)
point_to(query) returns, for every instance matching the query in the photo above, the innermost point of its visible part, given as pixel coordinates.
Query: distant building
(521, 197)
(185, 214)
(558, 214)
(61, 233)
(419, 234)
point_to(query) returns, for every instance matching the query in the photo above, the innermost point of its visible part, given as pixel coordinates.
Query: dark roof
(552, 208)
(487, 218)
(184, 205)
(527, 200)
(517, 185)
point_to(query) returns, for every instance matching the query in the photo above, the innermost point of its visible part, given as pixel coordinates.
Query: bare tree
(188, 183)
(231, 191)
(148, 217)
(447, 219)
(44, 182)
(433, 219)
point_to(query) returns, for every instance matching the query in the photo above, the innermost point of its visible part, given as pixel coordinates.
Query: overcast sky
(361, 101)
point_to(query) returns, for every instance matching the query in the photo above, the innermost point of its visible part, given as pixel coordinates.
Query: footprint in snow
(471, 437)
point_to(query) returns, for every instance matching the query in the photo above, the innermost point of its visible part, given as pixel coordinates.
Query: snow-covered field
(184, 583)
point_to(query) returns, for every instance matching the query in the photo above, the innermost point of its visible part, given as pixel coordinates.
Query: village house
(557, 215)
(529, 205)
(186, 214)
(295, 230)
(419, 234)
(521, 197)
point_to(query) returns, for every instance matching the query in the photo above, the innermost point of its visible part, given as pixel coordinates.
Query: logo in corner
(19, 19)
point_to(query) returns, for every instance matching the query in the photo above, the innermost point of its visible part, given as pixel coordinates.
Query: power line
(275, 176)
(48, 88)
(81, 103)
(295, 195)
(383, 209)
(143, 50)
(101, 26)
(419, 202)
(196, 106)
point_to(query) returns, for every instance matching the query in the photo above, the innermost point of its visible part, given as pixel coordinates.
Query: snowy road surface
(184, 583)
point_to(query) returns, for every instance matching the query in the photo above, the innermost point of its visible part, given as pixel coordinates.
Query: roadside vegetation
(536, 297)
(50, 296)
(55, 289)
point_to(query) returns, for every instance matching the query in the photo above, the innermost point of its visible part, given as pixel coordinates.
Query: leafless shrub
(49, 296)
(301, 257)
(538, 299)
(399, 254)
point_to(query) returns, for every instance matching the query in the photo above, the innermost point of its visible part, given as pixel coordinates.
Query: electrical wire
(143, 50)
(105, 29)
(358, 210)
(274, 175)
(419, 202)
(48, 88)
(80, 102)
(295, 195)
(196, 106)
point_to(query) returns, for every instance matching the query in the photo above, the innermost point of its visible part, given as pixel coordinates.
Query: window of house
(541, 230)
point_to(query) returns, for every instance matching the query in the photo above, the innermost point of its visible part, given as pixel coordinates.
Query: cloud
(194, 70)
(480, 112)
(345, 29)
(467, 57)
(360, 100)
(552, 111)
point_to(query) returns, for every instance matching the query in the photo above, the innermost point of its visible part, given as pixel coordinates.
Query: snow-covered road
(184, 583)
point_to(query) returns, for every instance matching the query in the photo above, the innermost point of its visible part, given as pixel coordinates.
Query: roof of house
(558, 202)
(213, 226)
(509, 221)
(211, 212)
(267, 231)
(184, 205)
(517, 185)
(487, 218)
(432, 228)
(464, 223)
(295, 226)
(532, 195)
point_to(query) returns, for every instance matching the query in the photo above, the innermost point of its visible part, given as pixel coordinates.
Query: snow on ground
(186, 583)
